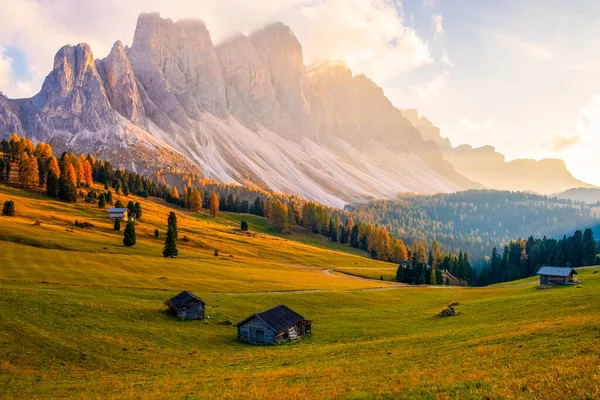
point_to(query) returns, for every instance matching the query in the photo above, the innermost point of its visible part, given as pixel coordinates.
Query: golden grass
(98, 328)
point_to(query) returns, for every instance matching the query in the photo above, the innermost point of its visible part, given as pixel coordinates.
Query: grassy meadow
(81, 316)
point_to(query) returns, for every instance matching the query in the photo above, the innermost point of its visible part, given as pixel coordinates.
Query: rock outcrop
(120, 85)
(72, 98)
(177, 66)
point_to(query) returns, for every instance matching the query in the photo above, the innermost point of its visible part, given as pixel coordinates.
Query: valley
(90, 320)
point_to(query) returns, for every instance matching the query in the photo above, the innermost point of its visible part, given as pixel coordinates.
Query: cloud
(445, 60)
(561, 142)
(438, 24)
(513, 43)
(369, 35)
(431, 88)
(583, 65)
(472, 126)
(587, 129)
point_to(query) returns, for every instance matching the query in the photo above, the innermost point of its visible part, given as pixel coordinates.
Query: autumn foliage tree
(195, 200)
(214, 205)
(69, 174)
(28, 171)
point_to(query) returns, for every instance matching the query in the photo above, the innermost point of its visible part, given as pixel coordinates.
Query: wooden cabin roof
(556, 271)
(182, 298)
(279, 317)
(117, 210)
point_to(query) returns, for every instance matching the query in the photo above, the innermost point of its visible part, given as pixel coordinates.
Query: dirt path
(392, 285)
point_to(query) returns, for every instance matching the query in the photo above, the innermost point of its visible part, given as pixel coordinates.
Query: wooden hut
(186, 305)
(556, 275)
(272, 326)
(120, 213)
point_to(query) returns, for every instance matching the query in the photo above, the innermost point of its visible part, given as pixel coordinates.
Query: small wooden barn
(556, 275)
(272, 326)
(120, 213)
(186, 305)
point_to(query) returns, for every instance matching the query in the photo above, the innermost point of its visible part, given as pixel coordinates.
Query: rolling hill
(81, 316)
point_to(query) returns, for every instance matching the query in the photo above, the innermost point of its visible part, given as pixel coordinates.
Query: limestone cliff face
(177, 67)
(120, 84)
(72, 98)
(355, 109)
(9, 117)
(281, 53)
(251, 97)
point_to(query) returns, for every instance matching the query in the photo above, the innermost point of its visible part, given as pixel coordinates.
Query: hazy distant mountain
(586, 195)
(488, 167)
(247, 111)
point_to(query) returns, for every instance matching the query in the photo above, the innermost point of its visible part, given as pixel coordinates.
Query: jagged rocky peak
(72, 98)
(120, 84)
(181, 55)
(9, 117)
(426, 128)
(251, 97)
(281, 53)
(72, 64)
(354, 108)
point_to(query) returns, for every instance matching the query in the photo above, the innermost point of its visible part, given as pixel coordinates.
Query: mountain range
(249, 111)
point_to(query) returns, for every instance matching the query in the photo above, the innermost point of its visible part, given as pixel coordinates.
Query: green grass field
(81, 316)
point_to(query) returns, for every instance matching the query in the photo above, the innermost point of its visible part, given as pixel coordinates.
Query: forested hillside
(477, 220)
(523, 258)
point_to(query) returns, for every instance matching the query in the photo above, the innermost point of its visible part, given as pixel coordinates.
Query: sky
(522, 76)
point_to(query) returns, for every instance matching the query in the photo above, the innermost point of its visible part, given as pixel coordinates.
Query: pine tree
(108, 197)
(354, 240)
(438, 277)
(2, 167)
(244, 226)
(156, 233)
(67, 191)
(172, 221)
(102, 201)
(129, 237)
(52, 184)
(589, 247)
(170, 249)
(9, 208)
(118, 204)
(267, 209)
(131, 208)
(117, 226)
(400, 274)
(214, 205)
(433, 276)
(138, 210)
(447, 283)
